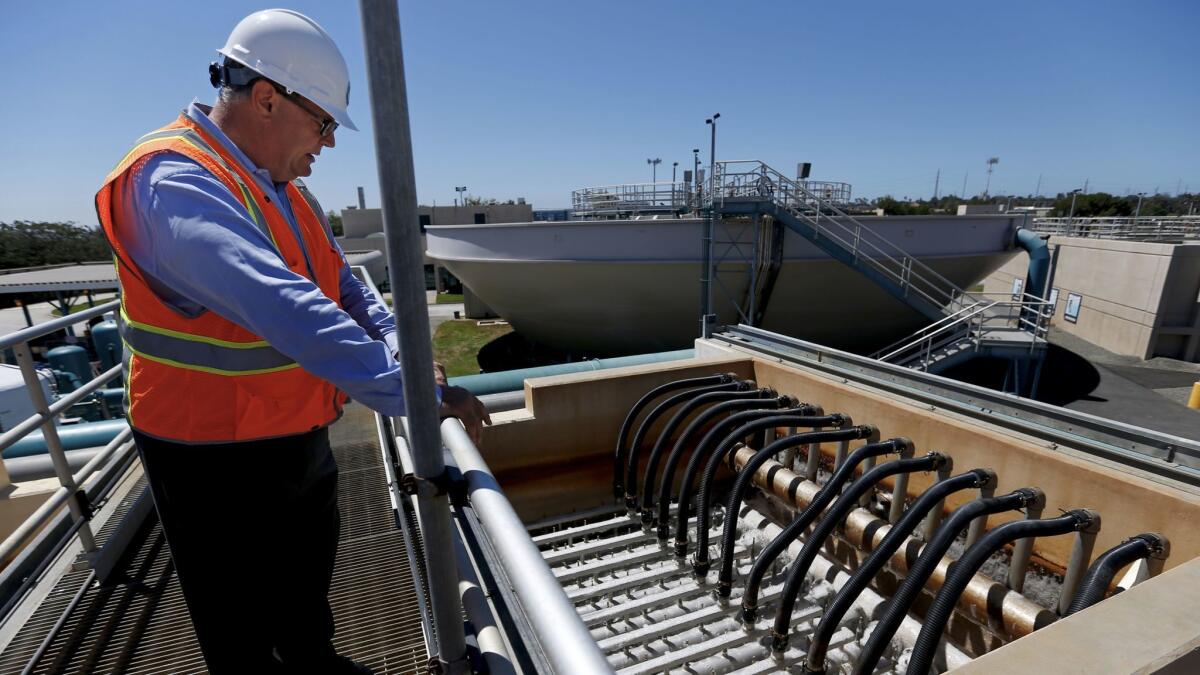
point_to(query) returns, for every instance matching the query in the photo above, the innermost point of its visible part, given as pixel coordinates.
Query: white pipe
(474, 600)
(563, 636)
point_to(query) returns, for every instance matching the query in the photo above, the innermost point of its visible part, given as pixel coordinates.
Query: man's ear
(263, 97)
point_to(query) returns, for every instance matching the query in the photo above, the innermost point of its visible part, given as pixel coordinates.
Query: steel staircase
(748, 187)
(964, 325)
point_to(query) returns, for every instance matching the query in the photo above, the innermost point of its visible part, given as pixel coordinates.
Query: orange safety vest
(205, 379)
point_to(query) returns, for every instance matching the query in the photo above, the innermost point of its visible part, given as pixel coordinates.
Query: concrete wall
(1139, 299)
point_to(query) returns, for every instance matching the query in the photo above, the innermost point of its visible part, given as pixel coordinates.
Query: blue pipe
(514, 380)
(73, 437)
(1039, 261)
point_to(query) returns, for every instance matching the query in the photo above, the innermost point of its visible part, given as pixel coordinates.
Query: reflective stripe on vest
(195, 352)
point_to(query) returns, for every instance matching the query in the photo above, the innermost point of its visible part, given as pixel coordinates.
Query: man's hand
(460, 403)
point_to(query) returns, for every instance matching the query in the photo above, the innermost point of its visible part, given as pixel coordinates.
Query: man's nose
(328, 140)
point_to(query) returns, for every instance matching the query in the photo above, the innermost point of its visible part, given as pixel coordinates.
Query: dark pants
(253, 532)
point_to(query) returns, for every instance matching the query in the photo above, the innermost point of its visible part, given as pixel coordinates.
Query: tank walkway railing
(841, 235)
(632, 198)
(1144, 228)
(71, 485)
(1024, 324)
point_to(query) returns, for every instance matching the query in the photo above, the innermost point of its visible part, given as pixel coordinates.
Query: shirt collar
(198, 113)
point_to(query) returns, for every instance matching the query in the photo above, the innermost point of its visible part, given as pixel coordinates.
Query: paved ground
(1149, 393)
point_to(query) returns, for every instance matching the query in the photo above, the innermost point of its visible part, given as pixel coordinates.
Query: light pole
(992, 161)
(696, 173)
(654, 168)
(673, 166)
(1138, 210)
(462, 196)
(706, 316)
(1071, 217)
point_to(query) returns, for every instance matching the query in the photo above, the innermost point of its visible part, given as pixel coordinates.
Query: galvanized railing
(754, 179)
(632, 198)
(977, 322)
(1146, 228)
(46, 412)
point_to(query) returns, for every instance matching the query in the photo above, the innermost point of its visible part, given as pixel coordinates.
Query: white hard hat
(291, 50)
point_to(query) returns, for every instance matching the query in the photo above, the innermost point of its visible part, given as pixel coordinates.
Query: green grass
(82, 305)
(449, 298)
(457, 343)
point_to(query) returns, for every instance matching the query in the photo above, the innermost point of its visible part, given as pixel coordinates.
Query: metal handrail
(872, 249)
(954, 321)
(55, 325)
(972, 323)
(1142, 228)
(632, 197)
(559, 629)
(886, 352)
(45, 413)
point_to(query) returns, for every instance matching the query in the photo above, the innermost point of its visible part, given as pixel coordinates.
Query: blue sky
(533, 99)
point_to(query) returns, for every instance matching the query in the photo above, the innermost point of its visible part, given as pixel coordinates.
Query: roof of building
(90, 276)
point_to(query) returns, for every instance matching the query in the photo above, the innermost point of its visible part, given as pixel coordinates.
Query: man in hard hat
(243, 327)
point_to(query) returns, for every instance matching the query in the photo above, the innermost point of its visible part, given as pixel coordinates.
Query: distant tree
(894, 207)
(335, 223)
(31, 244)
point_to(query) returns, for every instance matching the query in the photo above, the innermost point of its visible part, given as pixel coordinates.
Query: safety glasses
(327, 124)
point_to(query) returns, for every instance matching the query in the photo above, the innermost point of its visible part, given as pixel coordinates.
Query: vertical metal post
(54, 447)
(1022, 550)
(839, 457)
(934, 518)
(865, 500)
(975, 530)
(398, 199)
(813, 461)
(899, 494)
(1081, 555)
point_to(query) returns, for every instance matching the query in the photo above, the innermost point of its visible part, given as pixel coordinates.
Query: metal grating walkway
(141, 625)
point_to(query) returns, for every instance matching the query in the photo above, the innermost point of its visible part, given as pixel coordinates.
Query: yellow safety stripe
(189, 336)
(207, 369)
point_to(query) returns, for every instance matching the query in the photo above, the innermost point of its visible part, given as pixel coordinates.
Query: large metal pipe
(1014, 613)
(943, 605)
(487, 634)
(71, 436)
(562, 634)
(398, 199)
(514, 380)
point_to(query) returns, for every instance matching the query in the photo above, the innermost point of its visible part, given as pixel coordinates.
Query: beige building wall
(1139, 299)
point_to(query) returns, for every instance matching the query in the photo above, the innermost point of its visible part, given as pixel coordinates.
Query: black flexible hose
(930, 499)
(931, 556)
(627, 424)
(824, 496)
(837, 513)
(699, 456)
(742, 484)
(702, 420)
(700, 561)
(744, 391)
(639, 436)
(961, 572)
(1099, 576)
